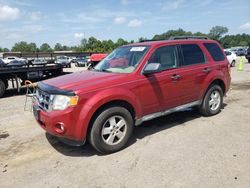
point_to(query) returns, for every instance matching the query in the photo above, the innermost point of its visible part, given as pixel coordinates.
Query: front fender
(100, 98)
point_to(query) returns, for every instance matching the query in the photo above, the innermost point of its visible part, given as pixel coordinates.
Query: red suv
(133, 84)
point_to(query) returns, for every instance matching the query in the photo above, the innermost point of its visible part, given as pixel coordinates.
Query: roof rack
(188, 37)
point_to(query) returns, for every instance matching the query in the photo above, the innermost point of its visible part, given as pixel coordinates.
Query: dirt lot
(179, 150)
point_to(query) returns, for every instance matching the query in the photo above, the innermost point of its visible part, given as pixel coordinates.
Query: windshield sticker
(137, 49)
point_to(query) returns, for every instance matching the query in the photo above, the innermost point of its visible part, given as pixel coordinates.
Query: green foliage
(24, 47)
(229, 41)
(45, 48)
(217, 32)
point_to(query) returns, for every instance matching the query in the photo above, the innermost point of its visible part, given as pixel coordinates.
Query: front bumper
(61, 124)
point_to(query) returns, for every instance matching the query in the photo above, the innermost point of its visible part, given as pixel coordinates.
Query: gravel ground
(179, 150)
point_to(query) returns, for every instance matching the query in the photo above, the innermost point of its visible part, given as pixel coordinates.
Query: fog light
(60, 128)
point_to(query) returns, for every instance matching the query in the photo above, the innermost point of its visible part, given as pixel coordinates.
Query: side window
(192, 54)
(215, 51)
(166, 56)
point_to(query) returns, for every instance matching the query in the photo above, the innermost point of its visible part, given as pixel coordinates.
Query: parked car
(248, 54)
(231, 56)
(63, 60)
(11, 58)
(240, 52)
(96, 58)
(135, 83)
(82, 62)
(17, 63)
(2, 63)
(39, 61)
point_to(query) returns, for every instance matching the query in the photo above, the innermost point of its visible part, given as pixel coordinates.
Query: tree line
(94, 45)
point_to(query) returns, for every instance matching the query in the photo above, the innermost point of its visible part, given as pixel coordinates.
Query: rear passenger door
(193, 70)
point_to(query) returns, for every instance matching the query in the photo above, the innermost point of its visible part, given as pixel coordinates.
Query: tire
(110, 123)
(210, 106)
(233, 63)
(2, 88)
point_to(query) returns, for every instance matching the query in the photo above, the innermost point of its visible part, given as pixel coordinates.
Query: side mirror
(151, 68)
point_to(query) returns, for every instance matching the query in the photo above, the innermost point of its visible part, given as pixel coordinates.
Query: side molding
(169, 111)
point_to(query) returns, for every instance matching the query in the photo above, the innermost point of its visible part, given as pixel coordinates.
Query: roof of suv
(179, 41)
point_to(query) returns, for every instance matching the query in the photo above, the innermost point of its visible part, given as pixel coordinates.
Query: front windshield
(122, 60)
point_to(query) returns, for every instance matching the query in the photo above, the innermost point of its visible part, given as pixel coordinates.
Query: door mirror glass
(151, 68)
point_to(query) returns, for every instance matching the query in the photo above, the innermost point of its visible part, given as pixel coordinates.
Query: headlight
(61, 102)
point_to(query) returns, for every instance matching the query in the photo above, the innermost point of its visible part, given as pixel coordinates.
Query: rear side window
(215, 51)
(192, 54)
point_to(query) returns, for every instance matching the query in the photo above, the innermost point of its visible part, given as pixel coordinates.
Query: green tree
(58, 47)
(217, 32)
(45, 47)
(33, 47)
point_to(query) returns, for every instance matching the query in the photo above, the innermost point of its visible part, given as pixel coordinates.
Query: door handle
(206, 70)
(175, 77)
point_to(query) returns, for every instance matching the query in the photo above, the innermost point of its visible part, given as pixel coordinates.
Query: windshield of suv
(122, 60)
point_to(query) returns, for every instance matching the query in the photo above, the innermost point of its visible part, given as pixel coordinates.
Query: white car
(12, 58)
(231, 57)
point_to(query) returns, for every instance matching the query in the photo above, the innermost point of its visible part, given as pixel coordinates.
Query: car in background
(82, 62)
(96, 58)
(240, 52)
(231, 57)
(39, 61)
(17, 63)
(2, 63)
(11, 58)
(248, 54)
(63, 60)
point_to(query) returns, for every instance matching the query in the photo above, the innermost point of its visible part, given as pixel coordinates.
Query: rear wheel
(212, 101)
(2, 88)
(111, 130)
(233, 63)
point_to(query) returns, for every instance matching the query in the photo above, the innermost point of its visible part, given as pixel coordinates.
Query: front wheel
(212, 101)
(111, 129)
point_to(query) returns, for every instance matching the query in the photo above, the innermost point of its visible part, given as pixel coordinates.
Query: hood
(85, 81)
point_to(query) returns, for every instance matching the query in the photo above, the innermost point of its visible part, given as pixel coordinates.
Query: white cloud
(245, 26)
(119, 20)
(33, 28)
(135, 23)
(78, 35)
(35, 16)
(172, 5)
(8, 13)
(124, 2)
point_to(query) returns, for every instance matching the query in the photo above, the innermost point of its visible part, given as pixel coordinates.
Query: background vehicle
(18, 63)
(96, 58)
(2, 63)
(39, 61)
(11, 58)
(231, 56)
(133, 84)
(63, 60)
(248, 55)
(81, 62)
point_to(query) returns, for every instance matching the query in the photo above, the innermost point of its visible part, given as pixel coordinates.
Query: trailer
(16, 75)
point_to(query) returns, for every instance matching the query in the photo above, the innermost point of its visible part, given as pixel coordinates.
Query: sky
(67, 22)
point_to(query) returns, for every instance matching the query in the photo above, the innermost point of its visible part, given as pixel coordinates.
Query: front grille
(43, 99)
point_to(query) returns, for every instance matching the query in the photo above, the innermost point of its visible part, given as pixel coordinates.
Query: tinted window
(166, 56)
(192, 54)
(215, 51)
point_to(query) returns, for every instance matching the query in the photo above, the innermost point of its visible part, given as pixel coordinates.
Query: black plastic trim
(54, 90)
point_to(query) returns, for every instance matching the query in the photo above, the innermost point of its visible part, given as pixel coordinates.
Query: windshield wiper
(101, 70)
